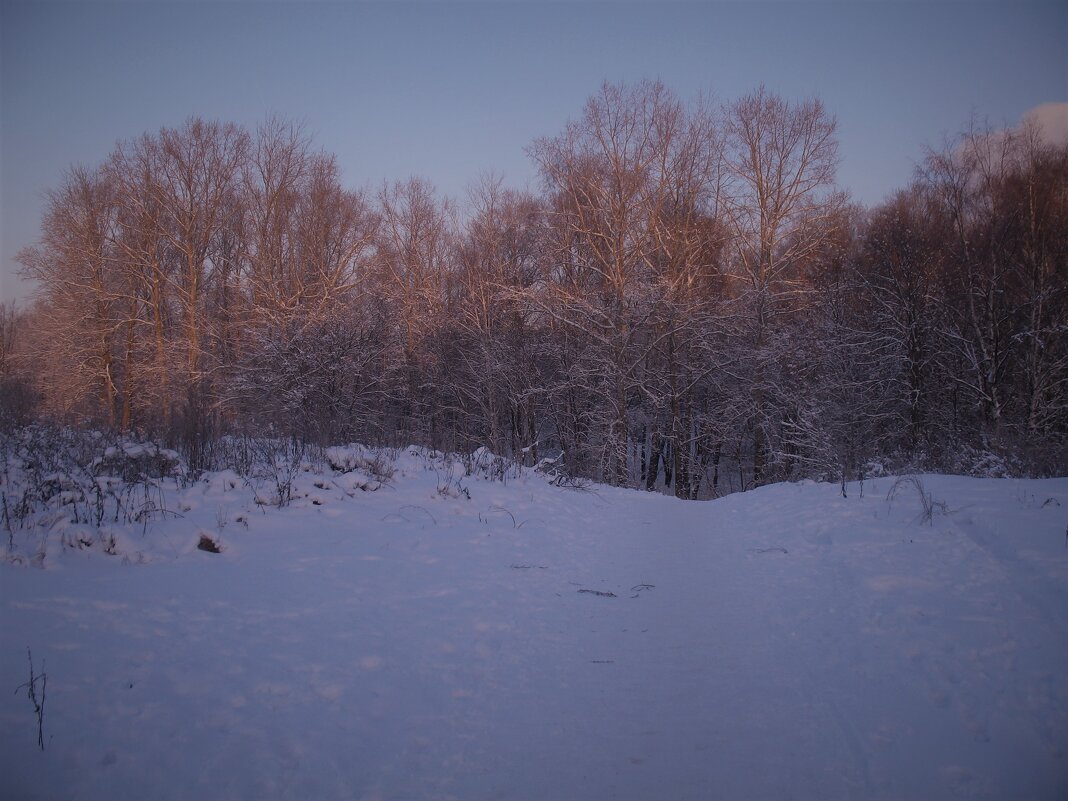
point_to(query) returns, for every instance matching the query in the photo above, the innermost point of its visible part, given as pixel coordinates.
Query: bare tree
(1004, 195)
(310, 334)
(199, 163)
(899, 272)
(133, 169)
(17, 396)
(80, 290)
(607, 176)
(781, 164)
(9, 335)
(493, 375)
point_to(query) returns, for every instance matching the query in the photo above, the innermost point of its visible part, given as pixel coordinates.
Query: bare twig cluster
(929, 505)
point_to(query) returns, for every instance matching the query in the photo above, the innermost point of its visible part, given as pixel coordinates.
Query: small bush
(487, 465)
(379, 463)
(929, 505)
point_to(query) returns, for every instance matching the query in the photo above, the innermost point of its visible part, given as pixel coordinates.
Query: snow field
(405, 643)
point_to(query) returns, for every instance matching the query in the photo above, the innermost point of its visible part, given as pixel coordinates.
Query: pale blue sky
(446, 90)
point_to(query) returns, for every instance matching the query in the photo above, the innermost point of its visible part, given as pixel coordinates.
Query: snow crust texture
(537, 642)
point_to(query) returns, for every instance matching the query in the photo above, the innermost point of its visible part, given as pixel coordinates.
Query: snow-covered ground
(538, 642)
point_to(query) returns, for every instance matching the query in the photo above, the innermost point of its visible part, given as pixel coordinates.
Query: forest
(688, 302)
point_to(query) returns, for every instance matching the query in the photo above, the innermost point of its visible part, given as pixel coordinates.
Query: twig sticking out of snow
(31, 693)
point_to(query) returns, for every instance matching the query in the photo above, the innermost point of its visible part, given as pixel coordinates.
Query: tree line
(688, 302)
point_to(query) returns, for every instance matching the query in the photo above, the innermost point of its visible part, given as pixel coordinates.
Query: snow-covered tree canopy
(689, 301)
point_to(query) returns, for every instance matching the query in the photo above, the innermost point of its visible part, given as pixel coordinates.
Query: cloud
(1051, 120)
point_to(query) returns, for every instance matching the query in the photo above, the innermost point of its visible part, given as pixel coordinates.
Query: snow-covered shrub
(74, 483)
(137, 461)
(556, 471)
(873, 469)
(278, 462)
(379, 463)
(451, 473)
(983, 463)
(487, 465)
(237, 453)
